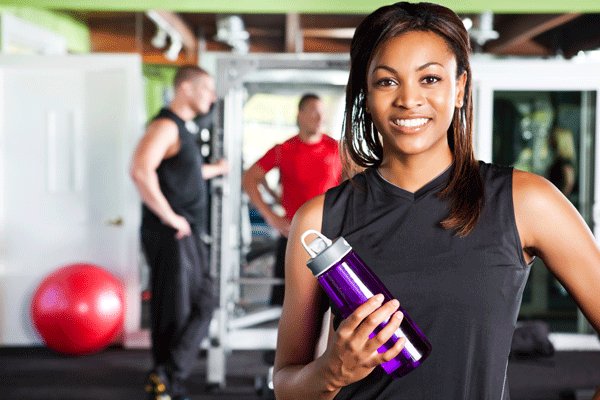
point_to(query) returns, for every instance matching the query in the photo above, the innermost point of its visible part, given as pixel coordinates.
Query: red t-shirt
(306, 169)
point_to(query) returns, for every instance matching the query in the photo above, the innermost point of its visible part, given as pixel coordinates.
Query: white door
(68, 126)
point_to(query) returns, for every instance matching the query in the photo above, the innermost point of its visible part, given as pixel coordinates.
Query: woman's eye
(385, 82)
(431, 79)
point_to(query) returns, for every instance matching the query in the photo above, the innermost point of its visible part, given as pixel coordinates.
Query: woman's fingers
(392, 351)
(355, 319)
(370, 326)
(364, 330)
(376, 318)
(383, 337)
(386, 332)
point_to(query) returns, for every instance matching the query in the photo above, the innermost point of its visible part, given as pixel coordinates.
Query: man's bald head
(188, 73)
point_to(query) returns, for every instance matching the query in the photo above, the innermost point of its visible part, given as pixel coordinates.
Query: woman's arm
(551, 228)
(350, 354)
(296, 374)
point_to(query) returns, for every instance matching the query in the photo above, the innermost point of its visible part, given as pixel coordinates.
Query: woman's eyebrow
(429, 64)
(393, 71)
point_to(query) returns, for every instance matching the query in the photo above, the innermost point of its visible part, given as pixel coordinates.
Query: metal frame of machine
(230, 331)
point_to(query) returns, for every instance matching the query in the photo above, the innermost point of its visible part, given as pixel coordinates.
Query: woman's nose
(408, 96)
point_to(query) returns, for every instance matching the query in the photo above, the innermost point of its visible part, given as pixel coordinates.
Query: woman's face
(412, 91)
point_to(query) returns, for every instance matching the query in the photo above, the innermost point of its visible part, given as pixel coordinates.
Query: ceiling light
(164, 30)
(483, 28)
(176, 44)
(230, 30)
(160, 39)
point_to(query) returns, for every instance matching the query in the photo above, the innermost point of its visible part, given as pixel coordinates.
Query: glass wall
(550, 133)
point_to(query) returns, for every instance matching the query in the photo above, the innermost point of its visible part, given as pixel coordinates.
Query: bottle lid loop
(309, 249)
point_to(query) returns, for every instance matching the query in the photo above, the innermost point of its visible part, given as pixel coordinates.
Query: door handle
(118, 221)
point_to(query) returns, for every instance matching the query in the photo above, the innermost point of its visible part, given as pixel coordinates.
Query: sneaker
(178, 390)
(156, 386)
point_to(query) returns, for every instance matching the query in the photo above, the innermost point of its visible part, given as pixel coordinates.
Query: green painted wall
(76, 32)
(157, 80)
(313, 6)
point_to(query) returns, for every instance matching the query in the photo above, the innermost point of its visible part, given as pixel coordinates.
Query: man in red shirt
(309, 164)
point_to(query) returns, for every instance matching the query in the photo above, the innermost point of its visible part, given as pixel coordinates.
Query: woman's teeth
(411, 123)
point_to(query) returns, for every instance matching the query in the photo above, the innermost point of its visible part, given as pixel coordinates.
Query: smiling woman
(451, 237)
(413, 102)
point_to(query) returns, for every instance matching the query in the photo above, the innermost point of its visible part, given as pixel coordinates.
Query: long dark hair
(361, 142)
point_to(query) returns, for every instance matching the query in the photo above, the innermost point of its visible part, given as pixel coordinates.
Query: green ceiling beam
(76, 33)
(306, 6)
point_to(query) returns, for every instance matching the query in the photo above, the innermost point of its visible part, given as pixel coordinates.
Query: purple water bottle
(349, 282)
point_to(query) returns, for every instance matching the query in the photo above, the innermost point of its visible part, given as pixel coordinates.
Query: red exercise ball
(78, 309)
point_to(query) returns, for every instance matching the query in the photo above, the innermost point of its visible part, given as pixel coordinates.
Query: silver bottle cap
(324, 253)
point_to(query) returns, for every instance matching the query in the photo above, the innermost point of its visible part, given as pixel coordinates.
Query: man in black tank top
(168, 172)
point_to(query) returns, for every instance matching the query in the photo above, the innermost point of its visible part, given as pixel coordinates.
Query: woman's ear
(461, 82)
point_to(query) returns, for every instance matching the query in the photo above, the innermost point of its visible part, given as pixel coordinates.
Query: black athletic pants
(183, 299)
(277, 291)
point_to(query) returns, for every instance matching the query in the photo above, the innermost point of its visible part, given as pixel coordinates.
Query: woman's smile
(410, 125)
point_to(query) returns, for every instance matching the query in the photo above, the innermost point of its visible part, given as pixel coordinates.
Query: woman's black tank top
(180, 180)
(464, 293)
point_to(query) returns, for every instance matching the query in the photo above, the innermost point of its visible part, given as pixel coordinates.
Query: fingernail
(398, 315)
(379, 298)
(395, 303)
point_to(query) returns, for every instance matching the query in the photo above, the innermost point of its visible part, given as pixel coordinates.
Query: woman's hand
(351, 355)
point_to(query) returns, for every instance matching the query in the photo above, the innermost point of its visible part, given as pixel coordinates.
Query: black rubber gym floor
(35, 373)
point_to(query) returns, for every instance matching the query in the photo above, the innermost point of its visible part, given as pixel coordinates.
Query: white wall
(68, 125)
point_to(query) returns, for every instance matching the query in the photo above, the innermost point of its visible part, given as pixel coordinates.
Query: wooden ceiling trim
(519, 29)
(332, 33)
(264, 32)
(533, 35)
(157, 57)
(322, 45)
(527, 48)
(293, 33)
